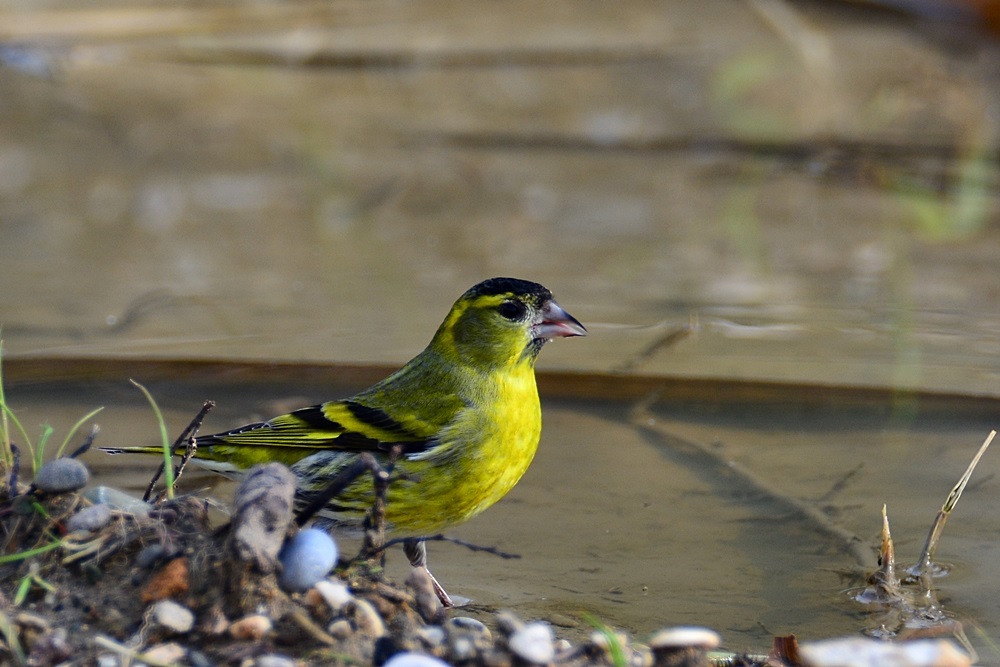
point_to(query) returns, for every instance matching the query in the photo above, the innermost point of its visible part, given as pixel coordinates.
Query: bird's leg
(416, 551)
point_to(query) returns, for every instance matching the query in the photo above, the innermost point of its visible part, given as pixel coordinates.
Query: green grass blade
(9, 414)
(43, 440)
(9, 632)
(168, 466)
(23, 555)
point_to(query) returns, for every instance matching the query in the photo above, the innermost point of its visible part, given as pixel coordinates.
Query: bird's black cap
(495, 286)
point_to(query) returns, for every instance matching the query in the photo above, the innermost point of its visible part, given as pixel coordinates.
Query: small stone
(174, 617)
(508, 623)
(51, 648)
(150, 555)
(533, 643)
(431, 636)
(860, 652)
(365, 618)
(171, 581)
(340, 629)
(411, 659)
(89, 519)
(306, 559)
(273, 660)
(262, 513)
(165, 654)
(117, 500)
(685, 637)
(464, 629)
(334, 593)
(108, 660)
(62, 476)
(253, 627)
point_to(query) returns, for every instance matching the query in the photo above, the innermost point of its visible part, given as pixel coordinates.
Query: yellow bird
(465, 413)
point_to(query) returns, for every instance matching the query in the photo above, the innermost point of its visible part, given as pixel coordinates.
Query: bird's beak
(557, 323)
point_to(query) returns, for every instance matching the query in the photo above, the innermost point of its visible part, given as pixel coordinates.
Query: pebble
(685, 637)
(860, 652)
(89, 519)
(273, 660)
(340, 629)
(306, 559)
(508, 623)
(366, 619)
(431, 636)
(467, 637)
(533, 643)
(117, 500)
(262, 514)
(150, 555)
(334, 593)
(410, 659)
(252, 627)
(165, 654)
(62, 476)
(173, 616)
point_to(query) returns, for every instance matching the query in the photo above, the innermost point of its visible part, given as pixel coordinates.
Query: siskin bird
(464, 411)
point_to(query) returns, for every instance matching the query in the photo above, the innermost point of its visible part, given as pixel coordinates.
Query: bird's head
(502, 321)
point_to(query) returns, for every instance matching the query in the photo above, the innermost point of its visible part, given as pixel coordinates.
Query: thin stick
(188, 436)
(189, 451)
(924, 564)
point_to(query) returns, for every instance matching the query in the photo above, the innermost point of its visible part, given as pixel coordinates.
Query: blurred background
(816, 181)
(813, 184)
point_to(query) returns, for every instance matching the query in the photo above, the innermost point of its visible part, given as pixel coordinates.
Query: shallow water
(815, 191)
(642, 521)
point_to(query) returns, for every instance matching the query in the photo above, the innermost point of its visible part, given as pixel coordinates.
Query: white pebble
(410, 659)
(533, 643)
(859, 652)
(173, 616)
(165, 654)
(62, 476)
(334, 593)
(273, 660)
(685, 637)
(306, 559)
(252, 627)
(366, 619)
(117, 500)
(89, 519)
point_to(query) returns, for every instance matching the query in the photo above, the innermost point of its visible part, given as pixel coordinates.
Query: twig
(189, 450)
(336, 485)
(188, 436)
(87, 443)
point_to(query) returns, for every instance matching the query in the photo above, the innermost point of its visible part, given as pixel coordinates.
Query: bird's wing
(346, 426)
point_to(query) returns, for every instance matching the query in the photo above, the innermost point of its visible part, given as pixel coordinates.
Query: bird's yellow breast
(485, 450)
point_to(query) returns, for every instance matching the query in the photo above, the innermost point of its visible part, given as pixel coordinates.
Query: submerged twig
(440, 537)
(641, 417)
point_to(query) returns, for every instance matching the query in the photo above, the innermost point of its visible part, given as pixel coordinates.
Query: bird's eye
(512, 310)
